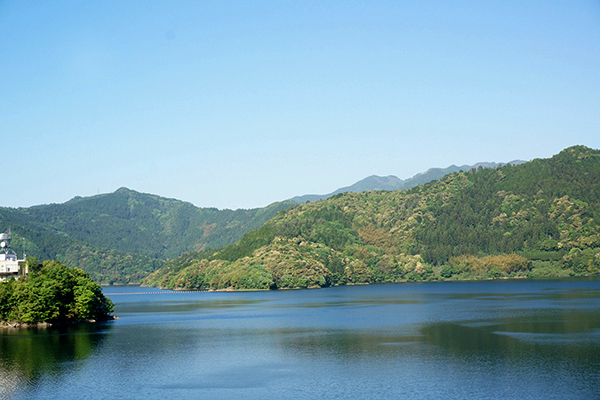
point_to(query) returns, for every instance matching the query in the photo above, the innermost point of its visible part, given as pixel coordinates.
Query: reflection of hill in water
(571, 337)
(26, 355)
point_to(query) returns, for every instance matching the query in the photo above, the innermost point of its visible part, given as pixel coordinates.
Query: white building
(9, 264)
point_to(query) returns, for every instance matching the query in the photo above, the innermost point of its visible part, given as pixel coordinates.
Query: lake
(510, 339)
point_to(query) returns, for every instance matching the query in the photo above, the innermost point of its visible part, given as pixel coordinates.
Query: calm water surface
(469, 340)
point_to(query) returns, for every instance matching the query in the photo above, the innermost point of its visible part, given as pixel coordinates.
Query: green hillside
(534, 219)
(121, 237)
(103, 266)
(142, 223)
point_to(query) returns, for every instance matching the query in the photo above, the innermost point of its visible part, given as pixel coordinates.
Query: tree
(53, 293)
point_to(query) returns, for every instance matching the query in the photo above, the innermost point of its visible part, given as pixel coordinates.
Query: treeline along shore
(536, 219)
(52, 294)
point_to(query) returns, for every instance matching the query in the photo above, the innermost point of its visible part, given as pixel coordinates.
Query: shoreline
(504, 278)
(51, 324)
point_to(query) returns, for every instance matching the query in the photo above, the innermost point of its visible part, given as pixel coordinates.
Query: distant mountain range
(121, 237)
(392, 182)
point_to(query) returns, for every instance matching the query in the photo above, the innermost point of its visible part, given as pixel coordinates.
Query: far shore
(231, 289)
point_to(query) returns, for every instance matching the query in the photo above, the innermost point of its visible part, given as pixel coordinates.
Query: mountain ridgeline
(535, 219)
(392, 182)
(121, 237)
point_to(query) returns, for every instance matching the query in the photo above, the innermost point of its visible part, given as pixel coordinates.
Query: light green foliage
(586, 261)
(490, 223)
(54, 293)
(469, 266)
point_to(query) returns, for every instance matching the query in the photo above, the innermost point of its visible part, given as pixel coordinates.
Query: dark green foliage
(447, 271)
(534, 219)
(140, 223)
(54, 293)
(246, 246)
(514, 208)
(108, 267)
(32, 266)
(333, 234)
(543, 255)
(121, 237)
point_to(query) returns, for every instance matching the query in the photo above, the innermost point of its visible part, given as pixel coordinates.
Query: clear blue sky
(237, 104)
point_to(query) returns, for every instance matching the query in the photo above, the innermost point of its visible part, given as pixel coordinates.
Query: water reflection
(493, 340)
(27, 356)
(342, 345)
(556, 347)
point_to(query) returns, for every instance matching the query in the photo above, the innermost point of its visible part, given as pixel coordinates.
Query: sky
(239, 104)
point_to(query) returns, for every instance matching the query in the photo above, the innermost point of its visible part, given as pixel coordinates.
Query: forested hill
(120, 237)
(539, 218)
(143, 223)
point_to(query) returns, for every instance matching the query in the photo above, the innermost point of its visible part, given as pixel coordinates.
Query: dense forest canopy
(534, 219)
(52, 293)
(121, 237)
(544, 211)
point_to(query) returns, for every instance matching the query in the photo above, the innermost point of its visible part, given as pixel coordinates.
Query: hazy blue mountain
(391, 182)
